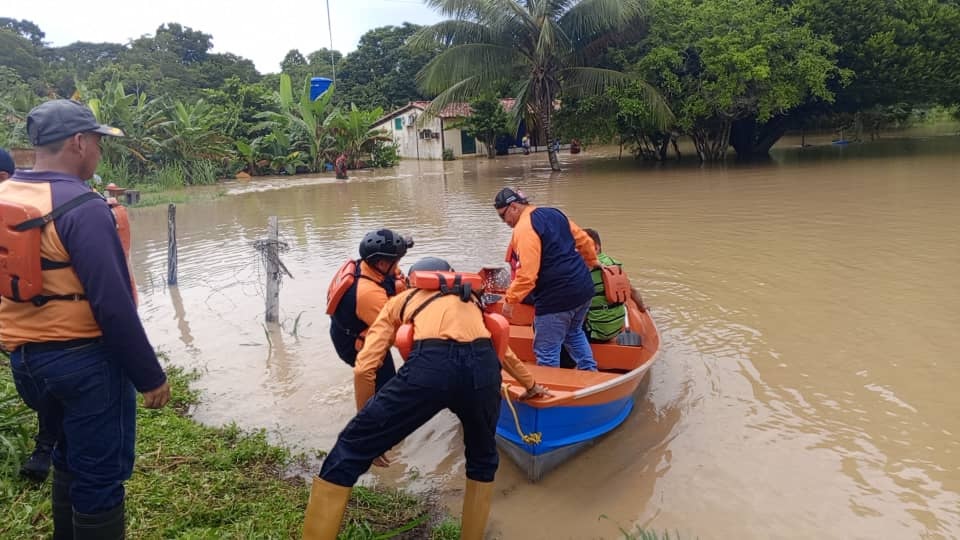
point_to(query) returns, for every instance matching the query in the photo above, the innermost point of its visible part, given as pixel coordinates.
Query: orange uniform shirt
(446, 317)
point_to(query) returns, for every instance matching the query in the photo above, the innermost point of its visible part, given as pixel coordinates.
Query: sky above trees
(261, 32)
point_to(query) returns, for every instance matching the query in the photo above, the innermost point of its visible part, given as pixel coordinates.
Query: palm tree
(540, 47)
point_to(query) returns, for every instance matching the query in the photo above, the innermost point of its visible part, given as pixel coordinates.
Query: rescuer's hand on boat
(383, 461)
(536, 390)
(507, 310)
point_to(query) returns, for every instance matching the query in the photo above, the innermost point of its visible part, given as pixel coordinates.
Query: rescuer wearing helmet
(360, 289)
(453, 363)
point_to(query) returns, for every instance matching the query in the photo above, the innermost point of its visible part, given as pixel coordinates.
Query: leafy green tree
(541, 47)
(24, 28)
(22, 56)
(898, 51)
(16, 100)
(77, 61)
(713, 76)
(382, 71)
(487, 121)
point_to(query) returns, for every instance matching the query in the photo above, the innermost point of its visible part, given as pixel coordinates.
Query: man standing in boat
(554, 260)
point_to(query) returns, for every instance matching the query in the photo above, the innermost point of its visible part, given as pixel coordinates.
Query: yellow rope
(532, 438)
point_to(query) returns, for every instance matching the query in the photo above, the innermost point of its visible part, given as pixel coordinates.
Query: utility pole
(333, 64)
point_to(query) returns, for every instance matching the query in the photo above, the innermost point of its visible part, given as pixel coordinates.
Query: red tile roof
(452, 110)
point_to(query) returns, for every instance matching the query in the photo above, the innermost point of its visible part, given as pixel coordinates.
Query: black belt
(438, 343)
(47, 346)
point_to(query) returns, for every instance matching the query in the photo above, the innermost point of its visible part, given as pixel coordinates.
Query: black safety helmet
(383, 244)
(427, 264)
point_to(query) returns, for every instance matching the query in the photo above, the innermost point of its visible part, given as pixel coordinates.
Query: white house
(419, 137)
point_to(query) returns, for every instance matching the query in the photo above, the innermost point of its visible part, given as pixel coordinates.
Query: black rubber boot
(62, 506)
(37, 466)
(109, 525)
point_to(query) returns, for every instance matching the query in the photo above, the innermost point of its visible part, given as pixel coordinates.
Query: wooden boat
(585, 405)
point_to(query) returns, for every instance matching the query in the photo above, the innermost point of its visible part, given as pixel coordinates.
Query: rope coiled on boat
(532, 438)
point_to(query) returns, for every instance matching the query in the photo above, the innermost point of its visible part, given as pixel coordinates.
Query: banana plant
(353, 134)
(306, 120)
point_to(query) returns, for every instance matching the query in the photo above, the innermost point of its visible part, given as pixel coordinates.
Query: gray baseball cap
(57, 119)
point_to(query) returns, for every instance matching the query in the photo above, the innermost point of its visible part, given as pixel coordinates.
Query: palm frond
(594, 81)
(451, 32)
(591, 18)
(488, 62)
(463, 90)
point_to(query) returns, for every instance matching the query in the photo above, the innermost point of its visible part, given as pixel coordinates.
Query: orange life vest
(616, 284)
(122, 218)
(21, 266)
(346, 276)
(465, 285)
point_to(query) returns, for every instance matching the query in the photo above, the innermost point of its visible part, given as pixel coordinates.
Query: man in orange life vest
(375, 277)
(79, 351)
(552, 258)
(452, 364)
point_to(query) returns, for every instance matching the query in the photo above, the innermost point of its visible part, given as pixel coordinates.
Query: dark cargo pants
(439, 374)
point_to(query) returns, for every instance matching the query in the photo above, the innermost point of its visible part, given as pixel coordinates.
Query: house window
(398, 123)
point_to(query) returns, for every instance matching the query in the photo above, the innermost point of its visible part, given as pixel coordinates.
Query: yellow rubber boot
(476, 508)
(325, 510)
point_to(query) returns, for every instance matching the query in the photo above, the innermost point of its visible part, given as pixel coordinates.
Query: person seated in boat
(604, 320)
(359, 290)
(453, 352)
(554, 258)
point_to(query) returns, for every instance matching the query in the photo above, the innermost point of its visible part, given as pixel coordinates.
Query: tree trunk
(545, 109)
(750, 140)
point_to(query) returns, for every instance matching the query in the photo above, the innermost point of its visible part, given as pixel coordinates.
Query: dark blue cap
(57, 119)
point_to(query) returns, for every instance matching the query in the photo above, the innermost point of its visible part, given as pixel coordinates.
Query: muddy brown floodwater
(809, 307)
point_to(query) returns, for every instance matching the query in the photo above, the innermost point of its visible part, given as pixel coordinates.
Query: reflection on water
(808, 306)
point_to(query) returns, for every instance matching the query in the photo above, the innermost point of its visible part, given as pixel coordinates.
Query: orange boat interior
(613, 360)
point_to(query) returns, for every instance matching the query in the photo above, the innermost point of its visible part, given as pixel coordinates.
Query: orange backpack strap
(616, 284)
(21, 266)
(465, 285)
(342, 280)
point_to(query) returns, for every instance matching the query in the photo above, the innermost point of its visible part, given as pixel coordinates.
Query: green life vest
(604, 321)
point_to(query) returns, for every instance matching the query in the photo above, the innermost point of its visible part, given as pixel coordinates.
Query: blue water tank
(318, 85)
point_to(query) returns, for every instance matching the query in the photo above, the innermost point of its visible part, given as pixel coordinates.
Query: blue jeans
(83, 391)
(563, 329)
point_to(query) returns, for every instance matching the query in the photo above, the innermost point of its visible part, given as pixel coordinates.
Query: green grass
(157, 194)
(196, 482)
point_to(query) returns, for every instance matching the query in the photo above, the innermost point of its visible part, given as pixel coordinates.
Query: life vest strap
(57, 212)
(47, 264)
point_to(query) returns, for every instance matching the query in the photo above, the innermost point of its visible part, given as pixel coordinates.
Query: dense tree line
(729, 74)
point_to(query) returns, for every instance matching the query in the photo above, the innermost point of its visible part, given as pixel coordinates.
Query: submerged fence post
(273, 270)
(172, 244)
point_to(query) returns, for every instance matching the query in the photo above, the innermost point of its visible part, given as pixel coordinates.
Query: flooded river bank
(808, 304)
